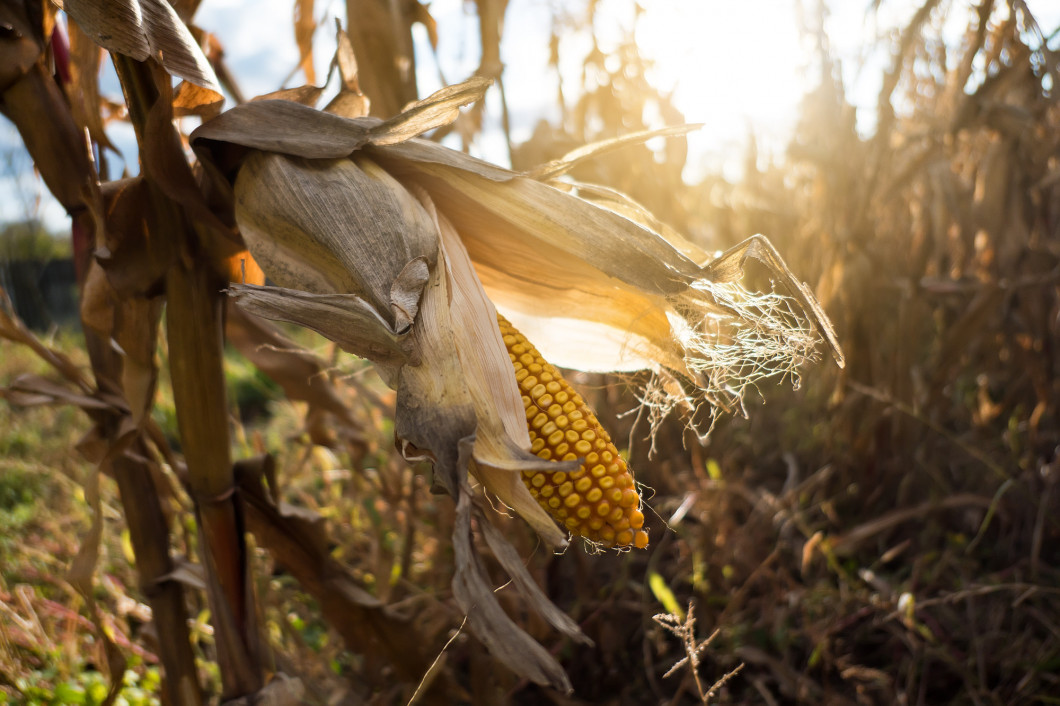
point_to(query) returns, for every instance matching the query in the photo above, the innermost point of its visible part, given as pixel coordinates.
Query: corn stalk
(36, 104)
(195, 334)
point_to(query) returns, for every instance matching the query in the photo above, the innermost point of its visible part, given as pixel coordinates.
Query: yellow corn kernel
(599, 501)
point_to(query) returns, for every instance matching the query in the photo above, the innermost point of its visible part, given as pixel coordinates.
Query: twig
(428, 677)
(685, 630)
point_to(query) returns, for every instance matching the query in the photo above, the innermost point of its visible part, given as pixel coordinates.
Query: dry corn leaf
(145, 29)
(83, 87)
(32, 390)
(298, 130)
(349, 102)
(279, 126)
(515, 565)
(305, 25)
(307, 95)
(440, 108)
(166, 165)
(13, 329)
(134, 263)
(192, 99)
(558, 167)
(498, 632)
(136, 336)
(344, 318)
(318, 234)
(484, 209)
(56, 144)
(20, 47)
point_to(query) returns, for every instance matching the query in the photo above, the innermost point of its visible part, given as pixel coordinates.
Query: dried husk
(359, 259)
(598, 286)
(458, 406)
(621, 297)
(502, 440)
(337, 226)
(398, 249)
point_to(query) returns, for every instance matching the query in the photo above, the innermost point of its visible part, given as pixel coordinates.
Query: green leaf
(664, 595)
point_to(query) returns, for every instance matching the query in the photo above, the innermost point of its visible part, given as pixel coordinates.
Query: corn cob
(598, 501)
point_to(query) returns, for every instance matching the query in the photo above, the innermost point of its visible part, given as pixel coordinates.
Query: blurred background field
(887, 533)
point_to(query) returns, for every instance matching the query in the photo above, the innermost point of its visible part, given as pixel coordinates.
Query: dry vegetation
(887, 533)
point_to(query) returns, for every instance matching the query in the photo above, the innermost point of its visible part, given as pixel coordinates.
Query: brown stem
(150, 540)
(381, 33)
(196, 359)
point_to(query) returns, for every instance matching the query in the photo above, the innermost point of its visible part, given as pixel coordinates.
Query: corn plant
(414, 256)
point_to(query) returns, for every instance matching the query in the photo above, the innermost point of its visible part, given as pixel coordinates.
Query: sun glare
(737, 67)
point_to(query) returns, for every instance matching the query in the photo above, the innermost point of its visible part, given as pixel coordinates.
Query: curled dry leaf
(350, 101)
(192, 99)
(145, 29)
(83, 88)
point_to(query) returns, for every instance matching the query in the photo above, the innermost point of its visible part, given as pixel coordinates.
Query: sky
(735, 66)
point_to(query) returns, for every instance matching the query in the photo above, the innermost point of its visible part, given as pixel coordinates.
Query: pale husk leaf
(482, 205)
(502, 444)
(437, 420)
(345, 319)
(502, 637)
(446, 398)
(334, 226)
(440, 108)
(298, 130)
(515, 565)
